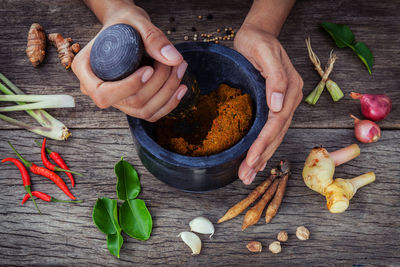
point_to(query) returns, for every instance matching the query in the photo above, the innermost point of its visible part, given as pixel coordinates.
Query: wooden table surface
(366, 234)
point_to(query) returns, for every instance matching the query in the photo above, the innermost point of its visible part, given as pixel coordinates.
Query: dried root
(256, 193)
(253, 215)
(36, 46)
(277, 200)
(66, 50)
(271, 187)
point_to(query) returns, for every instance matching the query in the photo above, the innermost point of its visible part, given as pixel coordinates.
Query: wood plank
(373, 22)
(367, 233)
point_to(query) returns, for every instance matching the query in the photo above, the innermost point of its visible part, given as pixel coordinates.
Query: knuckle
(100, 101)
(280, 81)
(152, 34)
(145, 114)
(135, 101)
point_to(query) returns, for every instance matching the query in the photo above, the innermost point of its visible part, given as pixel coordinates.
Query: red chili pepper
(45, 172)
(57, 159)
(47, 198)
(26, 179)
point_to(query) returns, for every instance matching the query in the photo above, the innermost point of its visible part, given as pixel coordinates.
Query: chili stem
(26, 163)
(28, 189)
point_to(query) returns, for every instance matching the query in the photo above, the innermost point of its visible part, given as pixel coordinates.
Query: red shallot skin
(366, 131)
(374, 107)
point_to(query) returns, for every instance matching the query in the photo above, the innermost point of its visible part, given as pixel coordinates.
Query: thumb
(157, 44)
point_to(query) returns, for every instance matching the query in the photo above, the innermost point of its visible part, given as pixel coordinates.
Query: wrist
(107, 11)
(269, 15)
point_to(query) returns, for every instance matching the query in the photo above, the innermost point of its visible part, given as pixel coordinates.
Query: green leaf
(344, 37)
(135, 219)
(128, 184)
(105, 215)
(342, 34)
(364, 54)
(114, 243)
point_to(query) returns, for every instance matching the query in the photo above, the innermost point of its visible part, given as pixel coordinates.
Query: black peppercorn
(171, 19)
(194, 29)
(173, 29)
(210, 16)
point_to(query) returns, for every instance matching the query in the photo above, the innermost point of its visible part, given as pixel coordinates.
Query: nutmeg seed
(254, 246)
(275, 247)
(282, 236)
(302, 233)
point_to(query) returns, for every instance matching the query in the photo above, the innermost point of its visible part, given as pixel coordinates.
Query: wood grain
(367, 233)
(373, 22)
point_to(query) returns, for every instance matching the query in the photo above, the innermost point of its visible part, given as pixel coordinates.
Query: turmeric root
(256, 193)
(339, 193)
(253, 215)
(36, 46)
(277, 200)
(64, 47)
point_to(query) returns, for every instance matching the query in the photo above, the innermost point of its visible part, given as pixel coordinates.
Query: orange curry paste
(218, 122)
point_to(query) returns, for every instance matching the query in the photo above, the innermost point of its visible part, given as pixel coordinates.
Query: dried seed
(185, 38)
(210, 16)
(302, 233)
(173, 29)
(275, 247)
(168, 32)
(200, 17)
(282, 236)
(254, 246)
(171, 19)
(194, 29)
(218, 30)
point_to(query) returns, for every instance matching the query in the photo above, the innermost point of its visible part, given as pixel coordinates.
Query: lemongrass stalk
(43, 101)
(41, 130)
(334, 90)
(316, 93)
(313, 97)
(58, 130)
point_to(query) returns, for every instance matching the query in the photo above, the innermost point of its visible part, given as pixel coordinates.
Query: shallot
(366, 131)
(374, 107)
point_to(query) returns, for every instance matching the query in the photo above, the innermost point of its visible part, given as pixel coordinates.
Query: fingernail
(181, 70)
(263, 166)
(147, 75)
(276, 102)
(170, 53)
(252, 177)
(182, 92)
(252, 160)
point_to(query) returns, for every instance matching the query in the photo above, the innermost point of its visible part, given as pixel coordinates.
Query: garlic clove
(202, 225)
(192, 240)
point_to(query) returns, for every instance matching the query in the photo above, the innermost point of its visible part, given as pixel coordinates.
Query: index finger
(105, 94)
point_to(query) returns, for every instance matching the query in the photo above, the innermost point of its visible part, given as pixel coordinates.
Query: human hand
(150, 92)
(283, 91)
